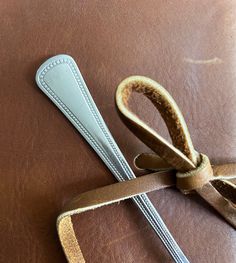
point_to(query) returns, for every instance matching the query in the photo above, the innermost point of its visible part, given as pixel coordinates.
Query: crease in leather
(178, 161)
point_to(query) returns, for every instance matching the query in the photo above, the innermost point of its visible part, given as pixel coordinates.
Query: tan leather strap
(179, 164)
(194, 171)
(100, 197)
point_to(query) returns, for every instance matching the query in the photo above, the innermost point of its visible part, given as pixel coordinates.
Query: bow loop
(181, 155)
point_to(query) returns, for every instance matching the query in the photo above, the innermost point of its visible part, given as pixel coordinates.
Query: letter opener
(60, 79)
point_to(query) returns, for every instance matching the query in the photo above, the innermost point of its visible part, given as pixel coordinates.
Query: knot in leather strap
(196, 178)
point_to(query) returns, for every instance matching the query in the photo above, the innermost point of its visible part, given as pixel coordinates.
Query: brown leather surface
(186, 46)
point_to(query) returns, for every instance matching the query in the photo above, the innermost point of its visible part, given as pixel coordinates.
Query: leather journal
(187, 47)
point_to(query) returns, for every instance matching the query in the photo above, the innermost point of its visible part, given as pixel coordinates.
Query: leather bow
(194, 173)
(177, 165)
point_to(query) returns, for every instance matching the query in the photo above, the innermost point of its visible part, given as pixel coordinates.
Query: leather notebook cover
(187, 47)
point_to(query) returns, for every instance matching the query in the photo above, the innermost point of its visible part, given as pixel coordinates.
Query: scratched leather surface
(187, 46)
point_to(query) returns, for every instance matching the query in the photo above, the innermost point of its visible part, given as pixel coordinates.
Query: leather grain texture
(187, 46)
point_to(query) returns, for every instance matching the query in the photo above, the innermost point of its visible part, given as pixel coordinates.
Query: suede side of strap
(181, 155)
